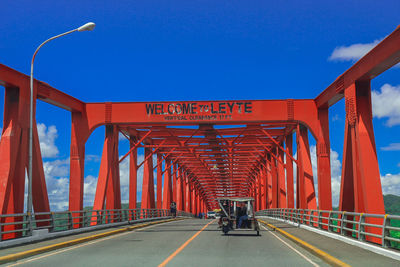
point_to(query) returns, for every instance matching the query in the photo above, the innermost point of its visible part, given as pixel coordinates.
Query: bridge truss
(227, 148)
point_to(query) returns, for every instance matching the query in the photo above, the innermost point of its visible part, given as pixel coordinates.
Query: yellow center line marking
(183, 246)
(86, 244)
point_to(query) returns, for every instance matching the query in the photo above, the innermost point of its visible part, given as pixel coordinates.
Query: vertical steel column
(79, 135)
(281, 181)
(197, 202)
(361, 189)
(187, 194)
(132, 174)
(148, 181)
(113, 195)
(305, 181)
(167, 194)
(189, 198)
(194, 201)
(179, 189)
(259, 191)
(13, 158)
(108, 184)
(269, 181)
(289, 172)
(274, 172)
(264, 187)
(174, 182)
(323, 161)
(183, 186)
(159, 181)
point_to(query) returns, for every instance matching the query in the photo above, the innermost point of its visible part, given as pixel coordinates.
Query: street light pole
(87, 27)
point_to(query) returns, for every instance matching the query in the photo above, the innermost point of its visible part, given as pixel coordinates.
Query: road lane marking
(316, 251)
(137, 229)
(295, 250)
(183, 246)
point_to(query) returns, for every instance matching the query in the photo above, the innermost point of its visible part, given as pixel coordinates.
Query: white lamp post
(87, 27)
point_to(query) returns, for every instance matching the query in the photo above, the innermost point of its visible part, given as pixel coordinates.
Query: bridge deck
(152, 245)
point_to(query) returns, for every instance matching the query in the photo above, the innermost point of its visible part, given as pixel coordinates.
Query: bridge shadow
(242, 234)
(179, 230)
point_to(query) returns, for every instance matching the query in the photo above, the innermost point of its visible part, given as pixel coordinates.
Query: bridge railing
(23, 225)
(383, 229)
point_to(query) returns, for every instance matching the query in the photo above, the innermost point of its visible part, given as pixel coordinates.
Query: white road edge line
(82, 245)
(295, 250)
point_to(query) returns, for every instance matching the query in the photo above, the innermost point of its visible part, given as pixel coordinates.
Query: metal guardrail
(377, 228)
(20, 225)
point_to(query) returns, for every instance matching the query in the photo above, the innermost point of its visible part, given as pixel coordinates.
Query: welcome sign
(194, 111)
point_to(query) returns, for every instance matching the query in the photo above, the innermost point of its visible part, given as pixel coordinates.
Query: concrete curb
(370, 247)
(32, 252)
(319, 253)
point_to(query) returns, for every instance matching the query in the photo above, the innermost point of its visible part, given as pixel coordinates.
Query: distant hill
(392, 204)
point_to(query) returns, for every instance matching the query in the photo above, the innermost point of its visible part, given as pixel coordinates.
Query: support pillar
(159, 181)
(361, 189)
(132, 175)
(274, 172)
(14, 160)
(289, 172)
(269, 182)
(281, 182)
(305, 180)
(148, 181)
(167, 194)
(323, 162)
(174, 182)
(79, 134)
(263, 188)
(179, 190)
(108, 183)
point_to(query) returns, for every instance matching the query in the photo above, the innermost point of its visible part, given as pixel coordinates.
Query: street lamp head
(87, 27)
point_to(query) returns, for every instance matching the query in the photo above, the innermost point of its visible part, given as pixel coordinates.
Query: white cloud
(90, 183)
(122, 137)
(336, 169)
(391, 183)
(57, 180)
(386, 104)
(391, 147)
(47, 137)
(352, 52)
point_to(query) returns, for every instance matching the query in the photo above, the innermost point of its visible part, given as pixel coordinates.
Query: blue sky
(199, 50)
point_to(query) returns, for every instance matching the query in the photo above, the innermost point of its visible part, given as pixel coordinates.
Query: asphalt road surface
(181, 243)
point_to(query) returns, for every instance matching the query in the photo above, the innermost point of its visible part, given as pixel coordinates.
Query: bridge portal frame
(360, 186)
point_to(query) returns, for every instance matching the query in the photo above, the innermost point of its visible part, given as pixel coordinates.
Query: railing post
(361, 227)
(342, 222)
(70, 221)
(385, 231)
(329, 221)
(319, 219)
(51, 229)
(30, 223)
(98, 217)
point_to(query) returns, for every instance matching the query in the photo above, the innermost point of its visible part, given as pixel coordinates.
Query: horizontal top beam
(12, 78)
(382, 57)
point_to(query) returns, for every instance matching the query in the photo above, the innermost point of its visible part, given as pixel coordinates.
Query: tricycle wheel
(225, 229)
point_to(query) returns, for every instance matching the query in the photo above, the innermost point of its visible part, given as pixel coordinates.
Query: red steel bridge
(205, 149)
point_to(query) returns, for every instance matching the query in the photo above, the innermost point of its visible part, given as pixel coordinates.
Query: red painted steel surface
(229, 148)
